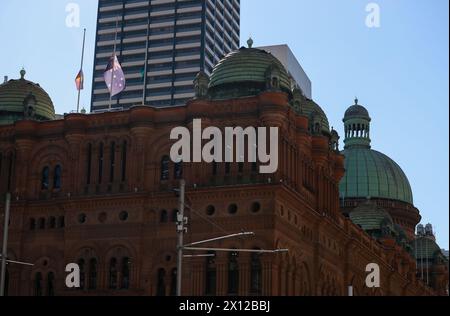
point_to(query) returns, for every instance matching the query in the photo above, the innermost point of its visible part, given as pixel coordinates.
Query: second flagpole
(81, 71)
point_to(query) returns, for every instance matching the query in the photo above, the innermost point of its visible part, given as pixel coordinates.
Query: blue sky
(398, 71)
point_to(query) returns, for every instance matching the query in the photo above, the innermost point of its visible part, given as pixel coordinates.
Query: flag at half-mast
(114, 76)
(79, 81)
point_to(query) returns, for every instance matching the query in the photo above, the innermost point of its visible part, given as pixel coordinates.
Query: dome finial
(22, 73)
(250, 42)
(356, 100)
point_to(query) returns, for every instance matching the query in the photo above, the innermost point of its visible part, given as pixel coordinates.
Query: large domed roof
(21, 99)
(245, 73)
(370, 173)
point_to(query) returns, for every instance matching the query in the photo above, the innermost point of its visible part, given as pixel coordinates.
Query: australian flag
(114, 76)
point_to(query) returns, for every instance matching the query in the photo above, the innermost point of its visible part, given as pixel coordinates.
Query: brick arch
(127, 246)
(75, 252)
(161, 146)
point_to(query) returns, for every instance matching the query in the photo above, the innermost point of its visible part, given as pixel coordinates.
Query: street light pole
(5, 244)
(180, 232)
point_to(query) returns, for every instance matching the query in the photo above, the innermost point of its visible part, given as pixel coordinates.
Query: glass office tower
(161, 45)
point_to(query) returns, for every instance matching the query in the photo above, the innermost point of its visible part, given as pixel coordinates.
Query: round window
(232, 209)
(82, 218)
(256, 207)
(123, 216)
(210, 210)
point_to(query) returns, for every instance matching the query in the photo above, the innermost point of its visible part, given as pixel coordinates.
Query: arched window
(82, 265)
(161, 283)
(233, 274)
(227, 168)
(125, 273)
(174, 216)
(41, 223)
(112, 159)
(164, 217)
(61, 222)
(38, 284)
(93, 274)
(45, 178)
(113, 273)
(124, 161)
(214, 168)
(178, 170)
(100, 163)
(32, 224)
(241, 167)
(165, 174)
(57, 177)
(211, 275)
(256, 274)
(50, 284)
(89, 164)
(173, 283)
(52, 222)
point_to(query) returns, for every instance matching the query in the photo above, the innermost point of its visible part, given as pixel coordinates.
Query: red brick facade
(116, 214)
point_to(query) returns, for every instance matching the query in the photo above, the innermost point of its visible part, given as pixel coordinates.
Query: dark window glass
(93, 274)
(112, 158)
(125, 273)
(164, 217)
(256, 275)
(233, 274)
(82, 265)
(89, 164)
(113, 273)
(45, 178)
(165, 174)
(38, 284)
(124, 161)
(57, 177)
(51, 284)
(211, 275)
(100, 163)
(173, 283)
(161, 283)
(178, 170)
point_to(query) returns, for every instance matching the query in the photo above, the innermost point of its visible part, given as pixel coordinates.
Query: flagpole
(81, 71)
(114, 61)
(146, 61)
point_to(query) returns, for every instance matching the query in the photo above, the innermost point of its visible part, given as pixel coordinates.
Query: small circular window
(210, 210)
(232, 209)
(256, 207)
(82, 218)
(123, 216)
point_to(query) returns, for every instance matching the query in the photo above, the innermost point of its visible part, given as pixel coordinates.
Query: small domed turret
(22, 99)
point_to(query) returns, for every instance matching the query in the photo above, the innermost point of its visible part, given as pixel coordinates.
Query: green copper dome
(316, 115)
(23, 99)
(247, 72)
(369, 173)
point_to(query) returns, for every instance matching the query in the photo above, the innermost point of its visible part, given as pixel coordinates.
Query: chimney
(6, 79)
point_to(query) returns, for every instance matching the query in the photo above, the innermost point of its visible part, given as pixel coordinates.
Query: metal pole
(180, 232)
(5, 245)
(114, 63)
(81, 70)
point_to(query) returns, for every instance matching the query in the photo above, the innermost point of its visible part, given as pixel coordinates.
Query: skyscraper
(161, 45)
